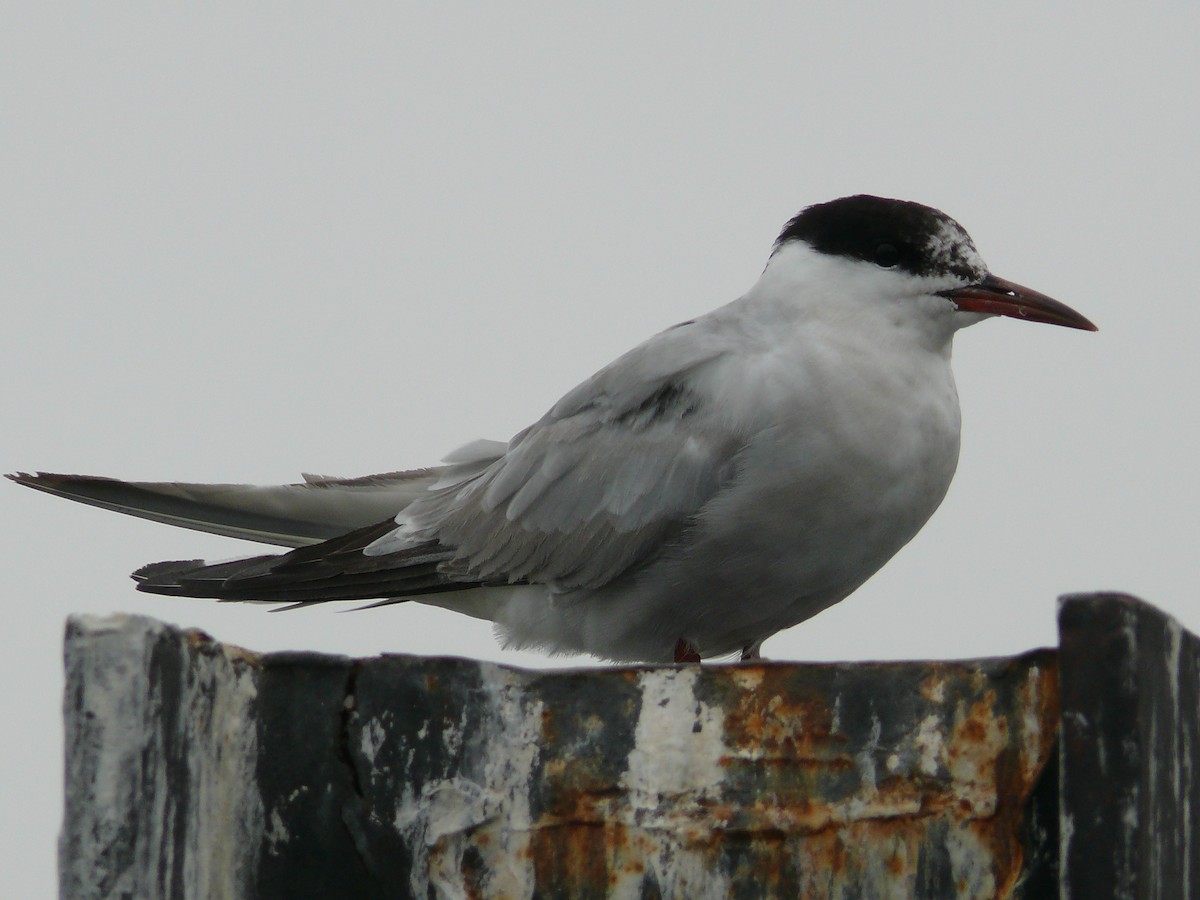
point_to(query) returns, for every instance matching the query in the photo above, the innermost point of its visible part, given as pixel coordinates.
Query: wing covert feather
(615, 470)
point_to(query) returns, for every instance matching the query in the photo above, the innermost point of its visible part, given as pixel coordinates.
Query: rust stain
(973, 731)
(549, 732)
(807, 805)
(767, 719)
(197, 639)
(203, 642)
(574, 857)
(933, 688)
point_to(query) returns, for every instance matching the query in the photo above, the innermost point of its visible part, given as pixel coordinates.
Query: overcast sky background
(238, 245)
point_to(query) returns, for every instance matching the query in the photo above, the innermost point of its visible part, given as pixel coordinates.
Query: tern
(726, 479)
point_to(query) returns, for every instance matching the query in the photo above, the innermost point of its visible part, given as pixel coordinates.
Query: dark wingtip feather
(334, 570)
(164, 577)
(41, 481)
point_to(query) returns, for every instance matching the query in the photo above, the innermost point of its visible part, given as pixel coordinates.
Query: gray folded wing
(611, 475)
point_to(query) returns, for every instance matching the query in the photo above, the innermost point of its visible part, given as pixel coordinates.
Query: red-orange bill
(999, 297)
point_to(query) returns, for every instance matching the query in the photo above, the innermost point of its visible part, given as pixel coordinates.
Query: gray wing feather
(611, 474)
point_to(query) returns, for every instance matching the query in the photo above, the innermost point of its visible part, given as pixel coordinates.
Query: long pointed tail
(288, 515)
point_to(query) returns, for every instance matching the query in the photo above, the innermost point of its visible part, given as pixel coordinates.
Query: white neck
(884, 305)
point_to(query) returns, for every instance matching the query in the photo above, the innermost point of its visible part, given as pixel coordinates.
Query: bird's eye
(887, 256)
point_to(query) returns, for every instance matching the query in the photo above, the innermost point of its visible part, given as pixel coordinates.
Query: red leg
(685, 652)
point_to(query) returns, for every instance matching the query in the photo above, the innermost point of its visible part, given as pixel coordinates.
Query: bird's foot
(685, 652)
(752, 652)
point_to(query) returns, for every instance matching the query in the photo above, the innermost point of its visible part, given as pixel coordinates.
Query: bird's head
(902, 250)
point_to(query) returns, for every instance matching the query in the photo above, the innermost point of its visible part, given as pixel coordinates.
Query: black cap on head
(890, 233)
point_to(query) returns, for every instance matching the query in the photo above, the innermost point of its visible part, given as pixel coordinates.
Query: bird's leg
(752, 651)
(685, 652)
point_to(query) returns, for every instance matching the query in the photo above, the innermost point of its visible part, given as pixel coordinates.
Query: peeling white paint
(675, 765)
(1175, 648)
(678, 742)
(118, 770)
(451, 806)
(930, 744)
(490, 794)
(225, 812)
(1066, 831)
(686, 871)
(864, 804)
(970, 865)
(276, 833)
(374, 733)
(1031, 725)
(937, 690)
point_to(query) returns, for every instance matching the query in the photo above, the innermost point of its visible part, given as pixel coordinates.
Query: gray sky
(241, 245)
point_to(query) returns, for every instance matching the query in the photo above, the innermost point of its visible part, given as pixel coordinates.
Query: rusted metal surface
(305, 776)
(887, 780)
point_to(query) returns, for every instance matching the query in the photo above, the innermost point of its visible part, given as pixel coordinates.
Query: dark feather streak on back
(669, 403)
